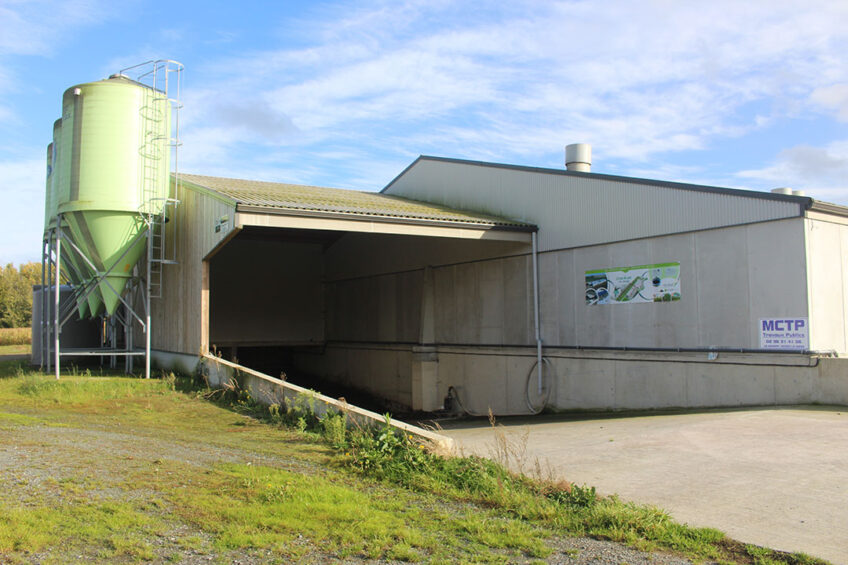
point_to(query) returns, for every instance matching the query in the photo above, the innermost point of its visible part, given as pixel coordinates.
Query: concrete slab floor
(776, 477)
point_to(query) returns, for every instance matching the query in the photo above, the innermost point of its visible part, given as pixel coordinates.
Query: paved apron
(776, 477)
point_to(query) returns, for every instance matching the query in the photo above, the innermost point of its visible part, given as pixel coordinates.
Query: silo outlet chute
(109, 189)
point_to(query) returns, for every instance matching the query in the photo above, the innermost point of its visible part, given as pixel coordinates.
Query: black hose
(454, 394)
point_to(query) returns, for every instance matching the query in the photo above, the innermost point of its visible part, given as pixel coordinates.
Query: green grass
(115, 468)
(15, 349)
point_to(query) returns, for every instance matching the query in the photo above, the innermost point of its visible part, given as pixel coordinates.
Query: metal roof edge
(828, 208)
(482, 226)
(804, 201)
(403, 172)
(205, 190)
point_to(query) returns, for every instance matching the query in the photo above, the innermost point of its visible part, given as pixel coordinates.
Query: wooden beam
(204, 309)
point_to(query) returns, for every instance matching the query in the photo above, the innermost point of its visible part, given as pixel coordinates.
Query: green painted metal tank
(74, 268)
(48, 190)
(50, 199)
(114, 167)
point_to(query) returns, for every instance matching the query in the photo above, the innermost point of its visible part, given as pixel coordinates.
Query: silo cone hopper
(95, 302)
(114, 241)
(73, 268)
(82, 307)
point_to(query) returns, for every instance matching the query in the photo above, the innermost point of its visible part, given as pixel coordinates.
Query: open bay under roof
(282, 205)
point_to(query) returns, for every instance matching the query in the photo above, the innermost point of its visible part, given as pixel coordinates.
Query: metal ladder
(158, 210)
(153, 204)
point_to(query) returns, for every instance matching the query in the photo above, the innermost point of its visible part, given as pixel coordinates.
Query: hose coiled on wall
(454, 394)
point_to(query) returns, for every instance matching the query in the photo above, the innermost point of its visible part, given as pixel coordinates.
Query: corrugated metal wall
(574, 211)
(827, 276)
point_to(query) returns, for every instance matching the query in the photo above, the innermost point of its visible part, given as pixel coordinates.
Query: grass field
(15, 336)
(96, 468)
(15, 349)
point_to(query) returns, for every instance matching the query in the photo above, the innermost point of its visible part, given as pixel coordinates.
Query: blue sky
(346, 94)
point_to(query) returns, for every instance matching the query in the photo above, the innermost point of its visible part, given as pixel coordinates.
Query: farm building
(479, 286)
(650, 294)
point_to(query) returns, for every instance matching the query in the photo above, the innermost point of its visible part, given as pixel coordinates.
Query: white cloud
(36, 28)
(637, 80)
(33, 27)
(834, 97)
(822, 172)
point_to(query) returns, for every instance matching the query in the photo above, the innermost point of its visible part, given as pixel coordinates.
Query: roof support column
(425, 359)
(204, 308)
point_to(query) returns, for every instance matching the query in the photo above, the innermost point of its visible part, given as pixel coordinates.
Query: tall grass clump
(15, 336)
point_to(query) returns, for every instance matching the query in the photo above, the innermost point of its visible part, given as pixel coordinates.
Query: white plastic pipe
(536, 308)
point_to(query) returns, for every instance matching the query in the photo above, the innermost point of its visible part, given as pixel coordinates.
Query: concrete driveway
(776, 477)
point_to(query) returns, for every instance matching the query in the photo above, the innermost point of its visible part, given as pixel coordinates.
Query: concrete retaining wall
(382, 370)
(497, 378)
(267, 390)
(633, 381)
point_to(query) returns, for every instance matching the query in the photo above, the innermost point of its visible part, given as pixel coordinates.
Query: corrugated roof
(295, 197)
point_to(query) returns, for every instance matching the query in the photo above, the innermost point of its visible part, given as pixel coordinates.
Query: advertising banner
(784, 333)
(634, 285)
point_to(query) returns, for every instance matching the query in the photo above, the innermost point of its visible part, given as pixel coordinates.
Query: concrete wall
(616, 380)
(827, 274)
(267, 390)
(382, 370)
(485, 302)
(364, 254)
(730, 278)
(499, 378)
(266, 293)
(384, 308)
(476, 318)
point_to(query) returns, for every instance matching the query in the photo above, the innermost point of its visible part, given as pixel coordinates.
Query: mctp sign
(784, 333)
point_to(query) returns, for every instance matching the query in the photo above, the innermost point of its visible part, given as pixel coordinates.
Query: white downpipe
(536, 308)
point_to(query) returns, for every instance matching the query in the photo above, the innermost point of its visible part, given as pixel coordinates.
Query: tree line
(16, 294)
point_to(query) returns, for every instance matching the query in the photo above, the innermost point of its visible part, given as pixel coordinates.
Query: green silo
(71, 264)
(114, 167)
(49, 195)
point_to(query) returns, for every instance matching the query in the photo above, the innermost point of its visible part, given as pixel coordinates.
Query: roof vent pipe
(782, 190)
(578, 157)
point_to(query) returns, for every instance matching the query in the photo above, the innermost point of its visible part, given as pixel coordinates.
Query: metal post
(113, 341)
(57, 328)
(43, 297)
(128, 342)
(147, 283)
(48, 306)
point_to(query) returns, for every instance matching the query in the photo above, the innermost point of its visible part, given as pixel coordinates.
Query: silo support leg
(56, 326)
